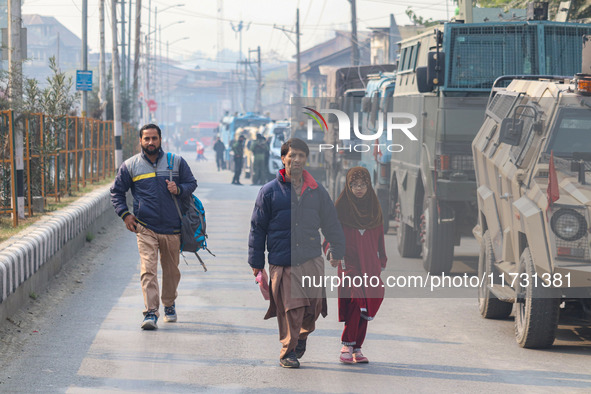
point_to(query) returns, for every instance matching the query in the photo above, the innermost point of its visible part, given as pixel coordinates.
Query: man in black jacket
(287, 215)
(219, 149)
(238, 149)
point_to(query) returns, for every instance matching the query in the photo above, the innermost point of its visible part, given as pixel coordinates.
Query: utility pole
(297, 44)
(260, 82)
(136, 60)
(102, 63)
(220, 42)
(245, 62)
(84, 52)
(127, 76)
(354, 42)
(298, 65)
(116, 87)
(147, 92)
(16, 92)
(258, 77)
(238, 29)
(123, 57)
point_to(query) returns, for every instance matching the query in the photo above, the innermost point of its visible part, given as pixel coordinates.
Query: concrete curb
(29, 260)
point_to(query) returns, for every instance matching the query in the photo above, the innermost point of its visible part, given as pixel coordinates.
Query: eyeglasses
(358, 186)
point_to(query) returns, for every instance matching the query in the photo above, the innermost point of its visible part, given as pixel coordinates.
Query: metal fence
(61, 154)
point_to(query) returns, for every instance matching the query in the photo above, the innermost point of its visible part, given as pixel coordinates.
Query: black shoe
(300, 349)
(289, 361)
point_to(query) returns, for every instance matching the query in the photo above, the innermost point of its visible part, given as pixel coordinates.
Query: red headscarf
(359, 213)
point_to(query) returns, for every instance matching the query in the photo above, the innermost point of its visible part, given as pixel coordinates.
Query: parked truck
(346, 88)
(444, 78)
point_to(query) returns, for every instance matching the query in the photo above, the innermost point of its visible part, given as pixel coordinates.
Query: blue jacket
(153, 205)
(274, 212)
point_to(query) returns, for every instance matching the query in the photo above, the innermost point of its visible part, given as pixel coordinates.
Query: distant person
(360, 214)
(287, 215)
(200, 151)
(260, 151)
(238, 149)
(155, 219)
(219, 149)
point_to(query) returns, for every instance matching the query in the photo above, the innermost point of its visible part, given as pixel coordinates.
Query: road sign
(84, 80)
(152, 105)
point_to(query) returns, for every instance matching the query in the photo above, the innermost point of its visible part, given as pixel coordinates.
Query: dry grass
(6, 229)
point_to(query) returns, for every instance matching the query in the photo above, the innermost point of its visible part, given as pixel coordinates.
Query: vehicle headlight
(568, 224)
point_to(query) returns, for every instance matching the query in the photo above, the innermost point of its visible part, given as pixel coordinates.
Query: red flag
(552, 191)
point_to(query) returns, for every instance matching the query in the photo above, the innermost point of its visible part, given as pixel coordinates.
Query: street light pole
(16, 92)
(116, 88)
(84, 52)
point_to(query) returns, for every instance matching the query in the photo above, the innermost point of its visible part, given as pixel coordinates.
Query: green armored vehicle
(532, 156)
(444, 78)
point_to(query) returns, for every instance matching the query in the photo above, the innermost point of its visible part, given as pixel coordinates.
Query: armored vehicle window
(480, 54)
(572, 133)
(521, 153)
(409, 58)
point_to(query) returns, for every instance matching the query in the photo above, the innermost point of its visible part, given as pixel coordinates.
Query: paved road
(83, 336)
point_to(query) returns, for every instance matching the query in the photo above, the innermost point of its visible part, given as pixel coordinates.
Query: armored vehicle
(531, 157)
(444, 78)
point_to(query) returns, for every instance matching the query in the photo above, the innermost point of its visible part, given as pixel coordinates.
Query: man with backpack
(155, 219)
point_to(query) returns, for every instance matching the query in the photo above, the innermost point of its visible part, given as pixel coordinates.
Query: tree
(419, 20)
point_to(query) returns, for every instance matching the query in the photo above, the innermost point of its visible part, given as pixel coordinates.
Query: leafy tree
(419, 20)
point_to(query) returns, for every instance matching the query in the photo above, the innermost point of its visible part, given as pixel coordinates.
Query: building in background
(47, 37)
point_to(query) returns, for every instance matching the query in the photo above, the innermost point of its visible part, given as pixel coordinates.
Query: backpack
(193, 223)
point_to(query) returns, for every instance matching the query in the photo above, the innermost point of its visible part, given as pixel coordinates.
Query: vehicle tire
(407, 238)
(383, 199)
(437, 238)
(536, 317)
(489, 305)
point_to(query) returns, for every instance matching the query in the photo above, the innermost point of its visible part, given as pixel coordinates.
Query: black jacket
(280, 221)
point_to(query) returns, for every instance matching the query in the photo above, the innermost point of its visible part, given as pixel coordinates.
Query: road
(83, 335)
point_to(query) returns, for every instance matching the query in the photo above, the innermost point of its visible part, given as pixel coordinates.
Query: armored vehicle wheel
(536, 316)
(437, 239)
(407, 238)
(490, 307)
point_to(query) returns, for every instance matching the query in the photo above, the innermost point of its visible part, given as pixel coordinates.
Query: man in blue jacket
(287, 215)
(155, 219)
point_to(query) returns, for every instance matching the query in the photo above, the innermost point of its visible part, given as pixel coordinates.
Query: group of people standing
(287, 215)
(260, 152)
(286, 218)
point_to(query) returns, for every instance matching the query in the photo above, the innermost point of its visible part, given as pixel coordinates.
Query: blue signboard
(83, 80)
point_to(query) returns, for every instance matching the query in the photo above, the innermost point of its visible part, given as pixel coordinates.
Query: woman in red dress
(360, 214)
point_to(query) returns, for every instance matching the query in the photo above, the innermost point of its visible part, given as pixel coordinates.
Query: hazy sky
(317, 19)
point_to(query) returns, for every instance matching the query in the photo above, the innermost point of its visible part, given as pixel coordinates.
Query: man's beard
(150, 151)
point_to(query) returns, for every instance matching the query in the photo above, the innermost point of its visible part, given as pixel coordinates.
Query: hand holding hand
(334, 262)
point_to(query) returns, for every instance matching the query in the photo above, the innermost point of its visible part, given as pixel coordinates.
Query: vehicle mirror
(511, 130)
(366, 104)
(423, 83)
(436, 68)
